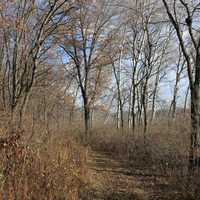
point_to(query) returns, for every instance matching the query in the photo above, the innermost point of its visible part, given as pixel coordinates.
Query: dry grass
(51, 167)
(164, 155)
(52, 170)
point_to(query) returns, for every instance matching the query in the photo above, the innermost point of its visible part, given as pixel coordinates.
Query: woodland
(99, 100)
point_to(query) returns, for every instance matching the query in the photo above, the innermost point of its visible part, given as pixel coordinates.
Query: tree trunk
(86, 117)
(120, 117)
(195, 125)
(133, 109)
(139, 105)
(144, 105)
(129, 110)
(133, 98)
(195, 118)
(172, 110)
(154, 95)
(186, 100)
(121, 114)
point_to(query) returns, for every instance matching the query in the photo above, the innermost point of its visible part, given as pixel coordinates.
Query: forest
(99, 100)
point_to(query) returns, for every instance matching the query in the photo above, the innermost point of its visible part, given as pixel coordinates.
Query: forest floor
(111, 180)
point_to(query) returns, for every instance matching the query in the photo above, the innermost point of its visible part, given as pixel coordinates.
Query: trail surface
(111, 180)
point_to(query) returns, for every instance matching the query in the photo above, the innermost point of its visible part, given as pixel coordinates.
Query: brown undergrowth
(50, 170)
(162, 158)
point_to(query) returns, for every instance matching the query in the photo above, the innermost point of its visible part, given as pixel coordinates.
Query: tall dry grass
(50, 170)
(164, 154)
(48, 165)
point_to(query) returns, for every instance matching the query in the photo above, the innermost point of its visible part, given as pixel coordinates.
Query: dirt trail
(111, 181)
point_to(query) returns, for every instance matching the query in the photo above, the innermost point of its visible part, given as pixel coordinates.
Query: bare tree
(24, 50)
(84, 43)
(179, 71)
(186, 23)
